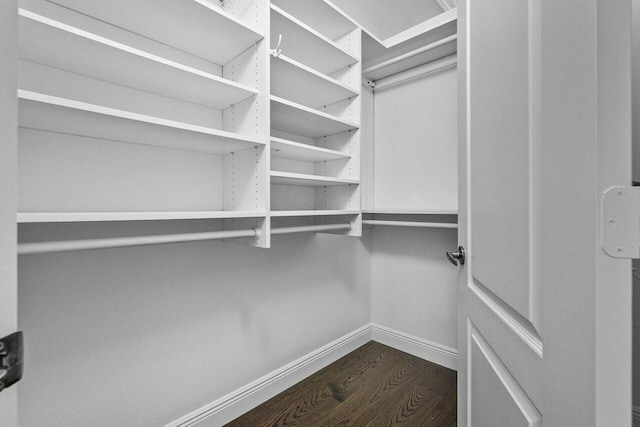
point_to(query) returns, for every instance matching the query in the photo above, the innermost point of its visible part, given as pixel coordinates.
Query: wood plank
(326, 389)
(374, 385)
(444, 414)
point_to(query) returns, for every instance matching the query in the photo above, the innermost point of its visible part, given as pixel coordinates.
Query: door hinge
(621, 222)
(11, 359)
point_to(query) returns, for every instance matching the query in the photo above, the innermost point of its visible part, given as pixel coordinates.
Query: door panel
(500, 127)
(505, 347)
(498, 398)
(8, 159)
(544, 119)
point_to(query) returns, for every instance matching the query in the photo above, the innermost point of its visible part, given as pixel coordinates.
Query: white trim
(242, 400)
(636, 412)
(419, 347)
(238, 402)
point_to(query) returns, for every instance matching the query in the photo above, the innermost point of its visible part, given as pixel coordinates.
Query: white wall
(413, 286)
(143, 336)
(416, 139)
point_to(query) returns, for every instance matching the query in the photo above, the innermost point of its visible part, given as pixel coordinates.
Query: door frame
(8, 190)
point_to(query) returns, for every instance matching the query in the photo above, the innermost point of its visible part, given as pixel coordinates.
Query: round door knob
(455, 257)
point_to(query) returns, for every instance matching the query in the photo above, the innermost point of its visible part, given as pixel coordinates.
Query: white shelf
(285, 149)
(411, 48)
(297, 82)
(49, 42)
(298, 119)
(50, 113)
(320, 15)
(313, 213)
(193, 26)
(306, 45)
(408, 212)
(47, 217)
(301, 179)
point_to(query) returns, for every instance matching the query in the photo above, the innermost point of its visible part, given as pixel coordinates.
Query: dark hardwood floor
(374, 385)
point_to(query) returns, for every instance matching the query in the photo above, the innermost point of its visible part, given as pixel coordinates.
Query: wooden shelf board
(300, 179)
(313, 213)
(49, 42)
(298, 119)
(282, 148)
(42, 217)
(306, 45)
(197, 27)
(49, 113)
(296, 82)
(319, 15)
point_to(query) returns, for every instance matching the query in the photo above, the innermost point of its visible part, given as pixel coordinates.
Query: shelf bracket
(621, 222)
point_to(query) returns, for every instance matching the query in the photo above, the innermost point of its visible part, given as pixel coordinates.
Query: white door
(544, 315)
(8, 160)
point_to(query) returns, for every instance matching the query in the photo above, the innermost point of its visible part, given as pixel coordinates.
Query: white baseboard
(419, 347)
(236, 403)
(240, 401)
(636, 412)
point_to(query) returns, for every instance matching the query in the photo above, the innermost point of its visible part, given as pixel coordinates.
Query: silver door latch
(621, 222)
(11, 359)
(458, 256)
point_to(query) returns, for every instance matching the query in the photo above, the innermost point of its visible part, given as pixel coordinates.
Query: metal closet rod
(411, 54)
(409, 223)
(121, 242)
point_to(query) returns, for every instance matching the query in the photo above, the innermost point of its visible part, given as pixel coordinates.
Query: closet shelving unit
(315, 116)
(311, 47)
(144, 111)
(426, 48)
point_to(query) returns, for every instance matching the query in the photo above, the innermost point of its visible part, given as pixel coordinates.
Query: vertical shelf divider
(335, 98)
(251, 116)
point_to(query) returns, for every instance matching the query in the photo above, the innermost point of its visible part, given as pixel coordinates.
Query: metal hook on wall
(278, 50)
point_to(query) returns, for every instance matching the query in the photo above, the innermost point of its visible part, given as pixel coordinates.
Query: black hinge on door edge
(11, 360)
